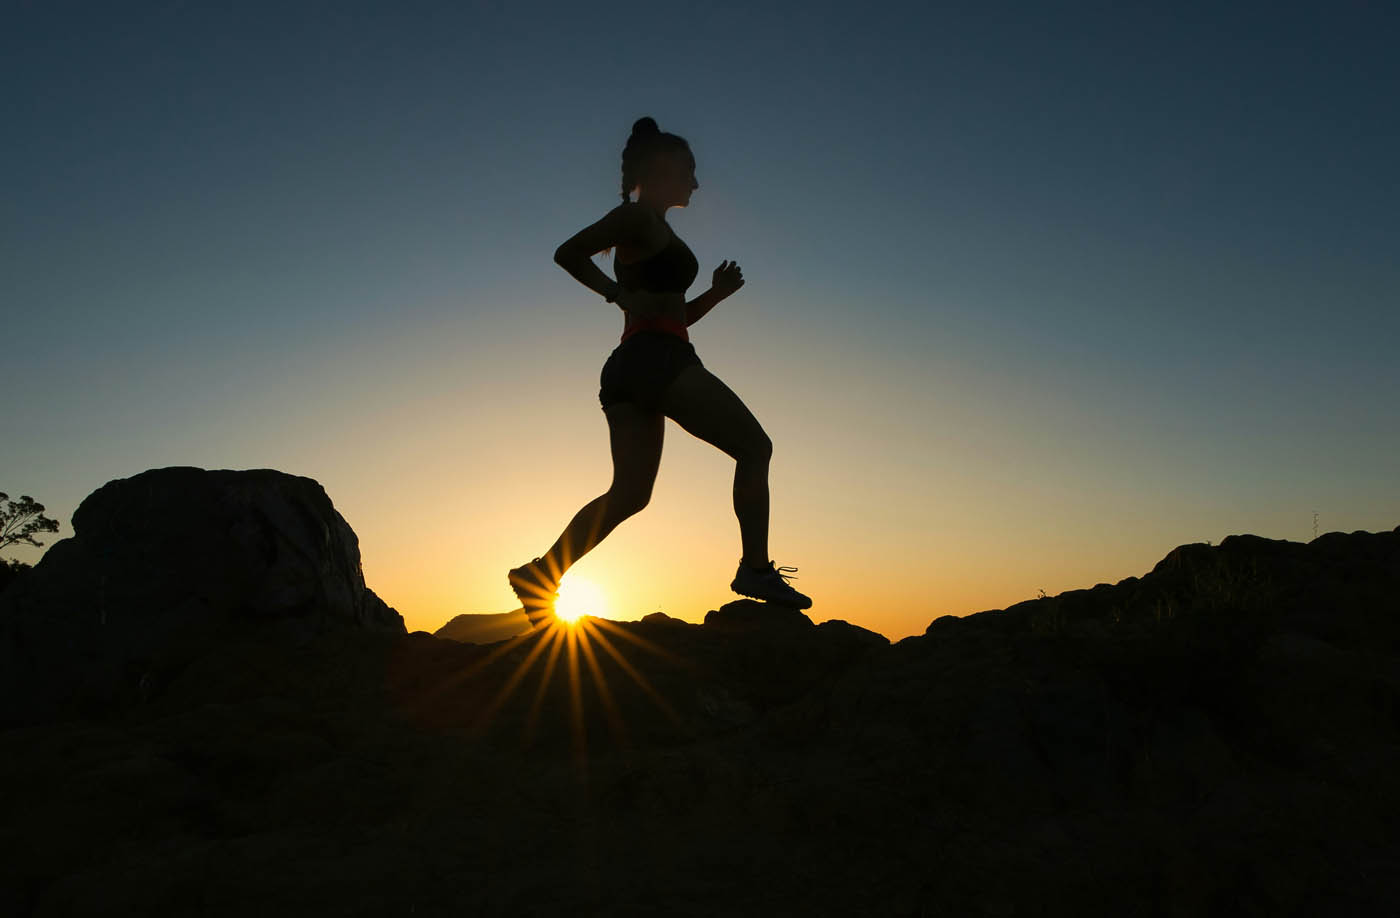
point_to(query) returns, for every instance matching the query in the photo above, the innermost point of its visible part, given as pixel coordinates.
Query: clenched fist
(727, 278)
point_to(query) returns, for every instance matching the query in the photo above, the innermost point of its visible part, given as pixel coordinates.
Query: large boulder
(165, 563)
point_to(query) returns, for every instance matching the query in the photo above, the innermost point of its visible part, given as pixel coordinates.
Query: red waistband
(674, 326)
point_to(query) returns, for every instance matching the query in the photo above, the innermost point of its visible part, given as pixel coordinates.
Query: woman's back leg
(635, 435)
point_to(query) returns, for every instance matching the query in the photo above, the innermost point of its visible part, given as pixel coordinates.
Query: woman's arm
(625, 223)
(695, 309)
(586, 272)
(727, 278)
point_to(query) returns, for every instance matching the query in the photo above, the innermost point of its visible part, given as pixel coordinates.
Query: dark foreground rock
(165, 564)
(10, 571)
(1218, 737)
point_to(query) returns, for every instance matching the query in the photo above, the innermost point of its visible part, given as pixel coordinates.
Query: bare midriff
(667, 314)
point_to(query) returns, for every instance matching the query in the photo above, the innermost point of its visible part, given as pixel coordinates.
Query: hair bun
(646, 141)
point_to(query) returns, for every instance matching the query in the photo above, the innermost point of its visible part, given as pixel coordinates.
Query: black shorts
(640, 368)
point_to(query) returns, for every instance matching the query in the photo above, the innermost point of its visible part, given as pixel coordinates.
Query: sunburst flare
(579, 597)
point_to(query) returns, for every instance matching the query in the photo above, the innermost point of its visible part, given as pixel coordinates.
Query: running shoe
(536, 590)
(769, 583)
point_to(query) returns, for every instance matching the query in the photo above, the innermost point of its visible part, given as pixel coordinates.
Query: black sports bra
(671, 270)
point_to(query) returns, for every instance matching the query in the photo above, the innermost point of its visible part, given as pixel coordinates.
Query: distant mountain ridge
(484, 627)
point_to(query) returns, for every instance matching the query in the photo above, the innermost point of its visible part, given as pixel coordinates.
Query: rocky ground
(1220, 736)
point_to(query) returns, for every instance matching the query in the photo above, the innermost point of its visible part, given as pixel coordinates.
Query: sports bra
(671, 270)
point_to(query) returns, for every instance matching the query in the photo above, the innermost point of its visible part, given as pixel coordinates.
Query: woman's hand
(727, 279)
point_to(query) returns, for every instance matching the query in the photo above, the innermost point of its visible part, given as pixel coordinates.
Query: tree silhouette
(19, 520)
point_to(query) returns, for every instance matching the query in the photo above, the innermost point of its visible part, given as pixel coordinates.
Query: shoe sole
(536, 611)
(799, 604)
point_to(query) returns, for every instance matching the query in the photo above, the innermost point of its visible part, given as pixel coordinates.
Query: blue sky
(1032, 295)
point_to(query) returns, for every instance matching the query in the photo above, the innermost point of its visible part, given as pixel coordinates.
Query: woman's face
(672, 178)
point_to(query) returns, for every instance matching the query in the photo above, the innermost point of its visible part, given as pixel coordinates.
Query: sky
(1032, 295)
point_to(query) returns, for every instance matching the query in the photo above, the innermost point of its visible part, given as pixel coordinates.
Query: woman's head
(660, 163)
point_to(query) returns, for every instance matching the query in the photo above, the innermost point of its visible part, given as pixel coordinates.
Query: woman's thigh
(704, 406)
(636, 435)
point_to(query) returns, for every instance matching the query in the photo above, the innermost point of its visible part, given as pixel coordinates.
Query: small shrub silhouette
(19, 520)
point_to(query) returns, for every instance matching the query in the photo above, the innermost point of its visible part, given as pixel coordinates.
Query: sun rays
(573, 669)
(581, 657)
(579, 597)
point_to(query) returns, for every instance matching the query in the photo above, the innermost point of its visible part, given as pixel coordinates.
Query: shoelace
(786, 577)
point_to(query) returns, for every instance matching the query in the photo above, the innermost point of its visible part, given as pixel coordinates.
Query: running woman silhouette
(654, 373)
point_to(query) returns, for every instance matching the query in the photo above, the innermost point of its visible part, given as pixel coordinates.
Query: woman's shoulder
(641, 225)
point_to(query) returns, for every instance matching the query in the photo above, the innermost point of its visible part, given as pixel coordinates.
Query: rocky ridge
(1218, 736)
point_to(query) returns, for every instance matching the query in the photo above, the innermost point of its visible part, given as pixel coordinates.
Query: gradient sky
(1032, 296)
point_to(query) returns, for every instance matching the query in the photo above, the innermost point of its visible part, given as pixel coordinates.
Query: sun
(577, 598)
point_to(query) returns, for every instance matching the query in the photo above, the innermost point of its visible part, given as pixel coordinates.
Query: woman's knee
(627, 501)
(758, 449)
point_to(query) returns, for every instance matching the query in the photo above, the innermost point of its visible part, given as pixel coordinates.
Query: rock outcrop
(165, 563)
